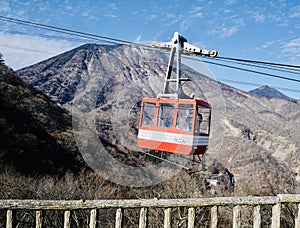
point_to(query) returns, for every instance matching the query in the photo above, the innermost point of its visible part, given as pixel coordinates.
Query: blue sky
(257, 30)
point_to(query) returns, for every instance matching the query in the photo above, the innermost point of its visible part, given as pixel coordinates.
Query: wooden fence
(143, 205)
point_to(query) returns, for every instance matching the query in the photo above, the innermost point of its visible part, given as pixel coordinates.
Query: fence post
(276, 216)
(191, 217)
(297, 218)
(9, 218)
(67, 219)
(167, 219)
(119, 217)
(256, 217)
(214, 217)
(93, 219)
(38, 219)
(236, 216)
(143, 218)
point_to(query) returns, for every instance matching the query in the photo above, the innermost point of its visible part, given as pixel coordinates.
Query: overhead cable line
(68, 31)
(249, 70)
(60, 30)
(259, 62)
(265, 66)
(45, 35)
(114, 40)
(88, 36)
(119, 41)
(256, 84)
(219, 79)
(25, 49)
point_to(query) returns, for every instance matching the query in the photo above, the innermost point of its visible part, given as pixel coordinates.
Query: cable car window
(184, 119)
(165, 114)
(148, 114)
(202, 120)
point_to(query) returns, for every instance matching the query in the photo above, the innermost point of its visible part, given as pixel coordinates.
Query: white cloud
(138, 38)
(170, 15)
(230, 2)
(22, 50)
(151, 17)
(227, 11)
(228, 31)
(286, 50)
(4, 7)
(267, 45)
(198, 15)
(292, 47)
(259, 18)
(113, 6)
(110, 15)
(68, 7)
(111, 11)
(187, 22)
(195, 10)
(295, 12)
(290, 51)
(223, 31)
(90, 13)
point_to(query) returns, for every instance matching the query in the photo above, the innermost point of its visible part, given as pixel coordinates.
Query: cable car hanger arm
(187, 49)
(179, 46)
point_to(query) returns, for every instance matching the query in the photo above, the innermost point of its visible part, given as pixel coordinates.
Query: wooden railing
(237, 205)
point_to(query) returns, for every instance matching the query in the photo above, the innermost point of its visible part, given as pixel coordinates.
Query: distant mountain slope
(256, 138)
(58, 77)
(36, 134)
(267, 91)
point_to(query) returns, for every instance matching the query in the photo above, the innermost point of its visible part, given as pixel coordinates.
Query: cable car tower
(174, 122)
(179, 46)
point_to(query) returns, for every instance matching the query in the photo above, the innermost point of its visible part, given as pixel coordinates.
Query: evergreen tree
(1, 60)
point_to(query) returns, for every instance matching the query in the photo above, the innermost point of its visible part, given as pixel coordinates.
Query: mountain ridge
(269, 92)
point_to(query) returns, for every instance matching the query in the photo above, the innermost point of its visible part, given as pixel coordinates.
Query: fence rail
(166, 204)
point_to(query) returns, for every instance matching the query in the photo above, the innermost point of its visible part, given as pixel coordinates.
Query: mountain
(36, 134)
(269, 92)
(257, 139)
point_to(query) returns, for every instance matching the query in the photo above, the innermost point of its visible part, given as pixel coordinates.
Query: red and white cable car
(179, 126)
(174, 122)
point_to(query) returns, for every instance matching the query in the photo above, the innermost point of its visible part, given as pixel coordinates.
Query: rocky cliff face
(263, 136)
(255, 138)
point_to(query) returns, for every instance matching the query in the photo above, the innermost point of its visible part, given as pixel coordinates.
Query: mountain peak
(267, 91)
